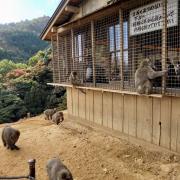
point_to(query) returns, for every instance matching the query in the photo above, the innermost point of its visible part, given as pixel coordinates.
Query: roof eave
(56, 14)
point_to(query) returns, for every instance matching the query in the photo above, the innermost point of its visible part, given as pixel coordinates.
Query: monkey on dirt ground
(144, 75)
(56, 170)
(9, 137)
(58, 117)
(48, 113)
(75, 80)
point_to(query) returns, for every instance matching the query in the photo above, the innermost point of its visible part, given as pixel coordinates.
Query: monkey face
(64, 175)
(145, 62)
(74, 73)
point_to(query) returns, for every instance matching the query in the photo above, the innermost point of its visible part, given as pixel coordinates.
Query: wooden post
(93, 52)
(121, 47)
(72, 42)
(32, 170)
(164, 44)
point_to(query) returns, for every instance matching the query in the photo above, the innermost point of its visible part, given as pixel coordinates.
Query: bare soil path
(90, 154)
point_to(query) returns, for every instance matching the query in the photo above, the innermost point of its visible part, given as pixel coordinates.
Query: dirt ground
(90, 154)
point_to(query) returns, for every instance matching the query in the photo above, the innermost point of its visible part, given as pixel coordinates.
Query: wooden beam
(93, 17)
(107, 90)
(164, 44)
(72, 9)
(93, 52)
(54, 29)
(121, 47)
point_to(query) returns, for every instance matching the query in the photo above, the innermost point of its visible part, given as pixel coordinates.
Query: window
(78, 48)
(125, 50)
(114, 48)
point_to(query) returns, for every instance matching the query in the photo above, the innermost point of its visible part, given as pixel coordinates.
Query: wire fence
(106, 51)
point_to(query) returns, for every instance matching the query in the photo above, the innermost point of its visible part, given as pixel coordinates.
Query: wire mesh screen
(55, 64)
(64, 56)
(82, 55)
(108, 50)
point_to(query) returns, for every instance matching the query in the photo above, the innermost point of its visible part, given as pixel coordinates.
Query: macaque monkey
(143, 76)
(56, 170)
(75, 80)
(9, 137)
(58, 117)
(49, 112)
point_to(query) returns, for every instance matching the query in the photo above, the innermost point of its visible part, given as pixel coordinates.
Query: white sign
(150, 17)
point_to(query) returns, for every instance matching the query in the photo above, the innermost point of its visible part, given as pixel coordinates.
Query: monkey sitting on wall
(143, 76)
(57, 170)
(48, 113)
(75, 80)
(58, 117)
(9, 137)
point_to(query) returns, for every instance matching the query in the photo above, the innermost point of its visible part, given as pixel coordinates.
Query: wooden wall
(155, 120)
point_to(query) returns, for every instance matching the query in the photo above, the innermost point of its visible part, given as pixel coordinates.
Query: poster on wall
(149, 18)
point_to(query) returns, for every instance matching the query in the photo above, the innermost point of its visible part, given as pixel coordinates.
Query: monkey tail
(82, 91)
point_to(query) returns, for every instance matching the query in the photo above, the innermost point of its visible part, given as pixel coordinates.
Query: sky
(18, 10)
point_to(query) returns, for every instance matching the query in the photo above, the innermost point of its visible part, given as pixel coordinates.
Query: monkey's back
(49, 112)
(58, 117)
(55, 168)
(141, 75)
(10, 135)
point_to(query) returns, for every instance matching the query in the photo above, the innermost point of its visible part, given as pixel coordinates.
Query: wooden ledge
(62, 85)
(106, 90)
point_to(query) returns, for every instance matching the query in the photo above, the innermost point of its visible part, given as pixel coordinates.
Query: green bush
(12, 108)
(23, 88)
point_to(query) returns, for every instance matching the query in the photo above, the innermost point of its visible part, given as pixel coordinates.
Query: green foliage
(63, 102)
(36, 58)
(9, 69)
(22, 39)
(11, 108)
(23, 88)
(8, 65)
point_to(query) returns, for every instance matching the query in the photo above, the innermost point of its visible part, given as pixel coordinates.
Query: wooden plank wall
(155, 120)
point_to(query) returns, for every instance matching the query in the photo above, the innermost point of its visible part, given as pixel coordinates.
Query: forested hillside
(19, 41)
(24, 89)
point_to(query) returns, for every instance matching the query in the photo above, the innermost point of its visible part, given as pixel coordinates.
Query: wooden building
(108, 39)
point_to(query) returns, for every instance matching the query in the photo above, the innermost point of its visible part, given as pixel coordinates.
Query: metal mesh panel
(107, 52)
(83, 54)
(114, 45)
(55, 64)
(64, 56)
